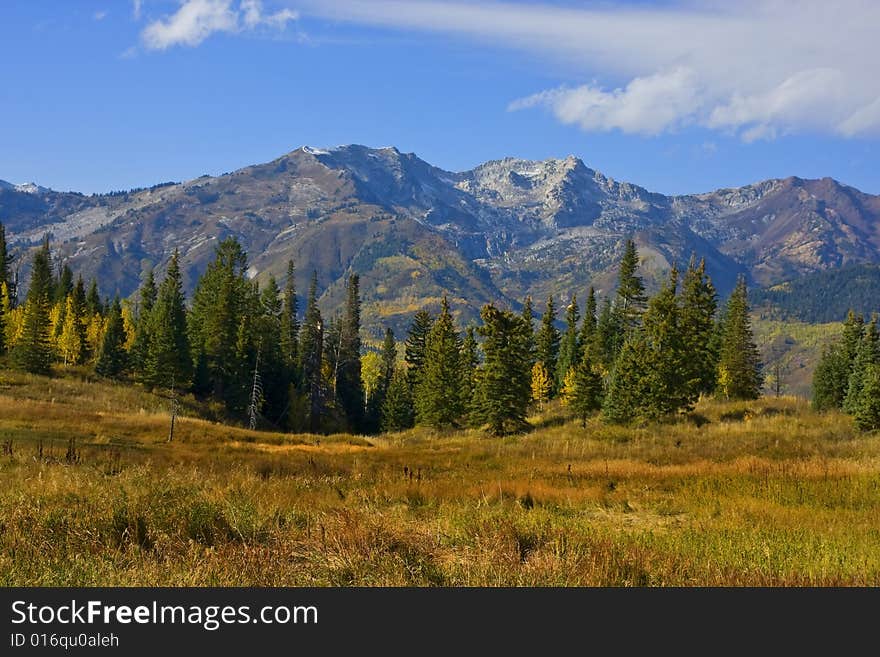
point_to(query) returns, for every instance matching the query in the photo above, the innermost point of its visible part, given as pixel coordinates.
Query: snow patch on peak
(314, 151)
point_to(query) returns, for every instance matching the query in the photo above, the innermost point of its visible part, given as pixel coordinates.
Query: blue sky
(678, 97)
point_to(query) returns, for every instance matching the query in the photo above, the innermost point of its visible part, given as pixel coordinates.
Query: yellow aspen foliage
(14, 325)
(371, 373)
(95, 334)
(128, 325)
(55, 321)
(569, 387)
(68, 342)
(542, 384)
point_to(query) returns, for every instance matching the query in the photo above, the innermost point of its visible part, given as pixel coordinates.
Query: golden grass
(764, 493)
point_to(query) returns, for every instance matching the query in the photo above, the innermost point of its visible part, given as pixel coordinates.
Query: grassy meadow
(760, 493)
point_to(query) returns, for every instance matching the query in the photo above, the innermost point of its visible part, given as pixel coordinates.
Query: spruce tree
(470, 363)
(827, 379)
(528, 316)
(387, 367)
(631, 382)
(349, 386)
(739, 362)
(505, 377)
(147, 301)
(268, 329)
(290, 325)
(867, 354)
(439, 401)
(547, 342)
(414, 346)
(222, 299)
(4, 288)
(311, 354)
(630, 302)
(867, 411)
(94, 306)
(5, 263)
(168, 358)
(397, 408)
(587, 334)
(33, 350)
(569, 353)
(609, 335)
(64, 285)
(699, 304)
(586, 395)
(112, 358)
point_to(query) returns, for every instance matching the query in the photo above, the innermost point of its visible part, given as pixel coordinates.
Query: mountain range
(415, 232)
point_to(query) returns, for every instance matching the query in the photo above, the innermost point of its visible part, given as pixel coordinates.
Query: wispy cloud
(196, 20)
(136, 6)
(99, 15)
(755, 68)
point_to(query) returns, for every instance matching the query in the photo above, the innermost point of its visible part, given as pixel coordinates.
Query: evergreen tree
(528, 316)
(569, 353)
(505, 378)
(4, 288)
(632, 381)
(867, 412)
(112, 358)
(826, 379)
(311, 354)
(739, 363)
(867, 354)
(168, 358)
(587, 335)
(547, 342)
(33, 350)
(699, 304)
(223, 298)
(609, 335)
(290, 325)
(268, 331)
(349, 386)
(387, 367)
(585, 396)
(414, 346)
(631, 301)
(397, 408)
(94, 306)
(140, 348)
(438, 396)
(64, 285)
(668, 356)
(470, 363)
(5, 264)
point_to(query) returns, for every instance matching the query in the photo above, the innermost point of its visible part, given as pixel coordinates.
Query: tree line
(847, 376)
(246, 346)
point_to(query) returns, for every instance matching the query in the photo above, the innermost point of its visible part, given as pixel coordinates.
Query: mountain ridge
(415, 232)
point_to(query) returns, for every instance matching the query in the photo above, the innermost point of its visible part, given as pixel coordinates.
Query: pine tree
(147, 295)
(867, 354)
(290, 325)
(505, 378)
(387, 367)
(438, 395)
(311, 354)
(397, 408)
(168, 359)
(699, 304)
(112, 359)
(609, 335)
(268, 331)
(587, 335)
(470, 363)
(668, 356)
(867, 411)
(33, 350)
(5, 264)
(631, 383)
(223, 298)
(528, 316)
(569, 353)
(414, 346)
(4, 289)
(631, 301)
(94, 305)
(739, 362)
(64, 285)
(547, 342)
(585, 393)
(349, 387)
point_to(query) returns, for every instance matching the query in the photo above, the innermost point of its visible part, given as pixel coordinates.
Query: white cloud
(100, 15)
(136, 6)
(196, 20)
(756, 68)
